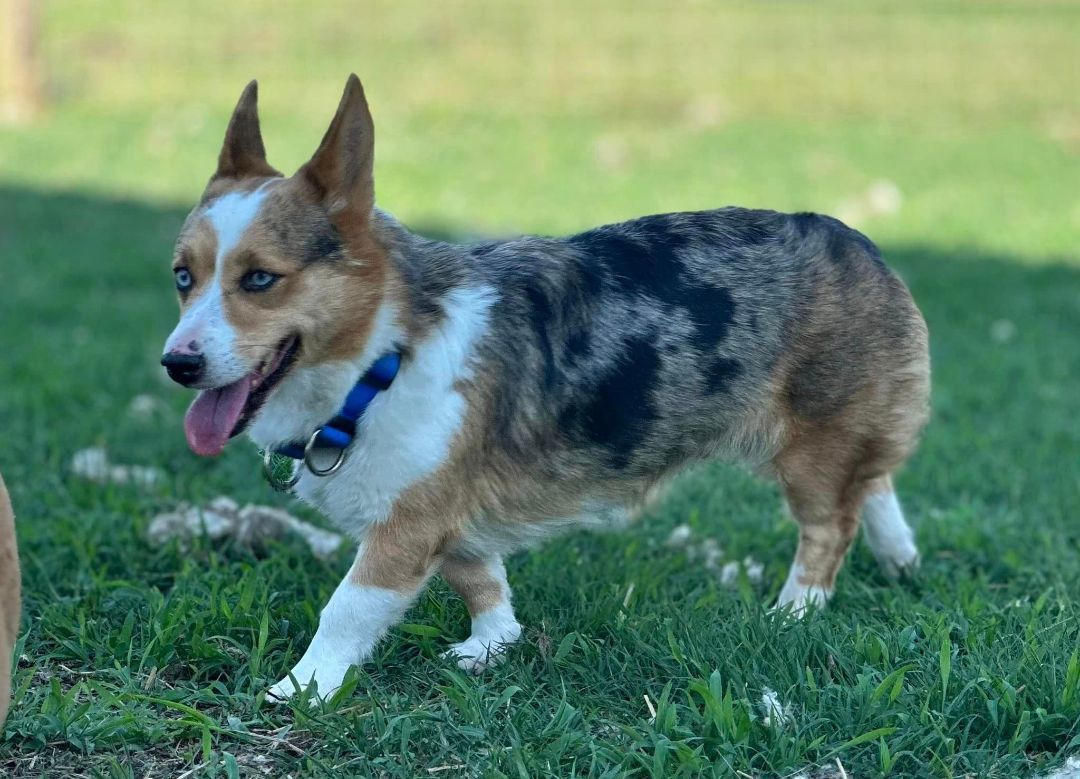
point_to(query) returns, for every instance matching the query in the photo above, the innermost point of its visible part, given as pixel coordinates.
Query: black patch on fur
(808, 223)
(577, 345)
(590, 281)
(587, 284)
(620, 411)
(713, 311)
(281, 230)
(719, 374)
(639, 263)
(324, 245)
(540, 320)
(643, 258)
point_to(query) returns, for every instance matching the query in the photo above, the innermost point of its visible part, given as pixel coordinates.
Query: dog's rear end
(9, 596)
(854, 393)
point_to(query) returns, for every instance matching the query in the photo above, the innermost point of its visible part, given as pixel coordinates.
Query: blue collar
(339, 432)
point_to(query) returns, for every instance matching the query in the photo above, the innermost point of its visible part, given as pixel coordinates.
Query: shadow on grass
(87, 301)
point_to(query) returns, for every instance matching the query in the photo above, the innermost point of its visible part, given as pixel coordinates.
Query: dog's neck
(422, 273)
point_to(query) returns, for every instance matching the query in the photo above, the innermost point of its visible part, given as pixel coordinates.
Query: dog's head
(274, 273)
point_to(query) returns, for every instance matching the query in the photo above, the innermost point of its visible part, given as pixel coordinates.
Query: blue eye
(258, 280)
(184, 279)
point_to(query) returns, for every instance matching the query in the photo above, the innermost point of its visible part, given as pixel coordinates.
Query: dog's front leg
(390, 570)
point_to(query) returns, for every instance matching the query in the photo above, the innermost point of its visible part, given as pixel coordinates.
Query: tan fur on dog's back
(9, 596)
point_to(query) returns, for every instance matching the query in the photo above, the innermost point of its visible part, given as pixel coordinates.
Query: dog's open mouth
(219, 414)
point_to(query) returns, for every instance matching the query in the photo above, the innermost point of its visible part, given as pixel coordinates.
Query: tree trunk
(20, 76)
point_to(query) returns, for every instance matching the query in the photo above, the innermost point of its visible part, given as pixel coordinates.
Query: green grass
(144, 661)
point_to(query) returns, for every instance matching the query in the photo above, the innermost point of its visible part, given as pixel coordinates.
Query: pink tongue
(213, 417)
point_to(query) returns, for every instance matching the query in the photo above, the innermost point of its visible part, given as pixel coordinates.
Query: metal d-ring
(321, 471)
(281, 485)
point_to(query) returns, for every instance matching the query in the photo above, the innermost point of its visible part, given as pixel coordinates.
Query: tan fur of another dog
(9, 596)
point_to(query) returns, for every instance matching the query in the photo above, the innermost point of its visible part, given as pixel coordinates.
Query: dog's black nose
(184, 368)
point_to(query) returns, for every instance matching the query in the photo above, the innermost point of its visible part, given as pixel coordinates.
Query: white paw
(898, 561)
(327, 678)
(282, 691)
(478, 653)
(889, 537)
(798, 598)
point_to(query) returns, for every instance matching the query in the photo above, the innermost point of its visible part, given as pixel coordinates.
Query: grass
(141, 661)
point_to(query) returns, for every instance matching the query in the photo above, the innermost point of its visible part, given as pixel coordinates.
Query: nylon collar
(339, 433)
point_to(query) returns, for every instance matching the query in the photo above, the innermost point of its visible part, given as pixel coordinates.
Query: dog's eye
(258, 280)
(184, 279)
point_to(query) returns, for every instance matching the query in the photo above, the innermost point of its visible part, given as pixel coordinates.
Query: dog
(9, 597)
(446, 405)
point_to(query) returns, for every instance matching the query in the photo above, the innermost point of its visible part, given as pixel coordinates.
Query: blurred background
(947, 130)
(949, 122)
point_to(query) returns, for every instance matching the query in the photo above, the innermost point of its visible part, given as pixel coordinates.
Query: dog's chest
(404, 437)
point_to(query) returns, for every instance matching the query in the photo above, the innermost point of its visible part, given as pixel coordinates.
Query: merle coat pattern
(544, 382)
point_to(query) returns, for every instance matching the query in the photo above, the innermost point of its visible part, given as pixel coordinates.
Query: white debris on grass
(834, 770)
(729, 574)
(652, 709)
(680, 536)
(774, 713)
(709, 551)
(93, 465)
(754, 569)
(1069, 770)
(1002, 331)
(251, 525)
(144, 406)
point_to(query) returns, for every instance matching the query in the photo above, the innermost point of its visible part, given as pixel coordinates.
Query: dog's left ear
(243, 153)
(341, 170)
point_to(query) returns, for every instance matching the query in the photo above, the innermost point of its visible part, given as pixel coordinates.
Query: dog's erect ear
(341, 169)
(243, 154)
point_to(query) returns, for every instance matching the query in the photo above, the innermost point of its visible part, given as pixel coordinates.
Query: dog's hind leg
(889, 537)
(827, 525)
(831, 473)
(825, 473)
(482, 585)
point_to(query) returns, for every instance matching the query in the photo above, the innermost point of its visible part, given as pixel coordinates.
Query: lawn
(948, 131)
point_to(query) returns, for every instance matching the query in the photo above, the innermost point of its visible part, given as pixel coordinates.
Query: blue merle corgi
(513, 389)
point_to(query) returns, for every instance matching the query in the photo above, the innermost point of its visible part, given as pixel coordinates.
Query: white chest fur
(407, 432)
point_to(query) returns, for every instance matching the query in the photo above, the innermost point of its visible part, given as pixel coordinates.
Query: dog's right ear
(243, 153)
